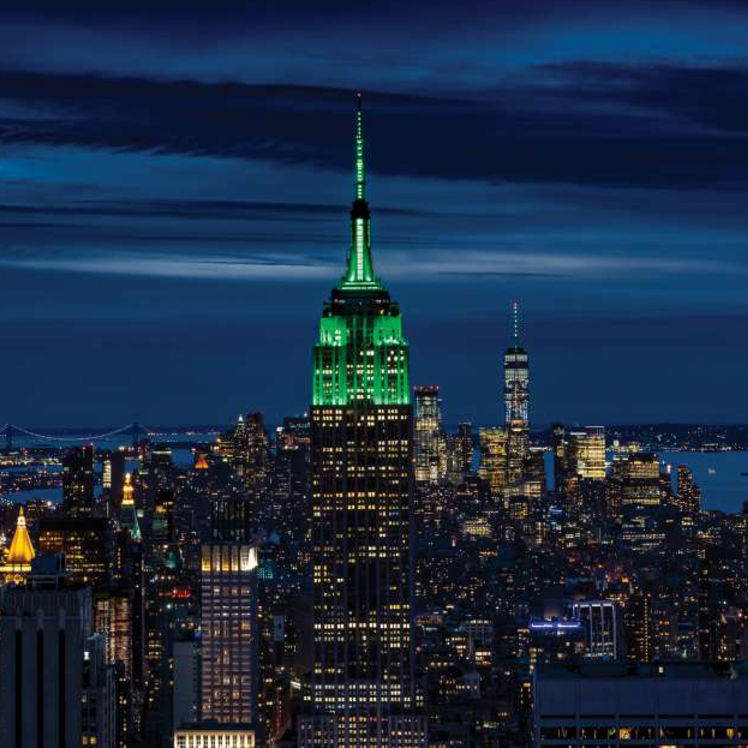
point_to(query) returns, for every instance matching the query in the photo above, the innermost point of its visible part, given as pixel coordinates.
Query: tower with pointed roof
(516, 403)
(128, 519)
(361, 691)
(20, 554)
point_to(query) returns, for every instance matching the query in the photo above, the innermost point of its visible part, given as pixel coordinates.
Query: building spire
(515, 322)
(360, 274)
(21, 550)
(360, 166)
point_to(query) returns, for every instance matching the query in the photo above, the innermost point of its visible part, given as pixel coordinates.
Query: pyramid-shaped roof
(21, 550)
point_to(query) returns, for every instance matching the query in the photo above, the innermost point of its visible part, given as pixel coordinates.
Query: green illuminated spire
(360, 274)
(361, 357)
(360, 166)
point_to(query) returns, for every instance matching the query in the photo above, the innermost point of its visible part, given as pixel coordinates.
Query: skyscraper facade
(689, 494)
(430, 440)
(229, 632)
(585, 452)
(78, 480)
(464, 448)
(362, 688)
(247, 448)
(637, 478)
(516, 403)
(56, 689)
(493, 459)
(87, 543)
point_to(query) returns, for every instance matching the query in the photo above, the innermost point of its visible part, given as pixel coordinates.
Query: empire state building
(361, 690)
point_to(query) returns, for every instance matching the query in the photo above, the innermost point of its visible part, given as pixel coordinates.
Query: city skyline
(156, 250)
(388, 547)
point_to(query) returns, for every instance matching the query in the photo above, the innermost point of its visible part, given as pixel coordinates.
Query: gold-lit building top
(20, 554)
(21, 549)
(128, 491)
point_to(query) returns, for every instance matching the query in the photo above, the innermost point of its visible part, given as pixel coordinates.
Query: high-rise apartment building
(229, 632)
(430, 440)
(362, 687)
(516, 403)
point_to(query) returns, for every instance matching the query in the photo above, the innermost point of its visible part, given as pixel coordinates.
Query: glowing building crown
(21, 550)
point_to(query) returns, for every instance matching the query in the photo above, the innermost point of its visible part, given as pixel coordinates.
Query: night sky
(175, 185)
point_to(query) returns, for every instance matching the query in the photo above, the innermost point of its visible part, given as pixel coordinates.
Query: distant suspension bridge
(135, 430)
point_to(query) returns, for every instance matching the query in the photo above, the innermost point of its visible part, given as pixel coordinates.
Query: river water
(718, 474)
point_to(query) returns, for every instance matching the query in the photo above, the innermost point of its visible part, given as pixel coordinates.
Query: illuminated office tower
(460, 454)
(637, 618)
(430, 441)
(362, 687)
(113, 612)
(233, 517)
(128, 513)
(289, 507)
(493, 459)
(78, 480)
(112, 479)
(689, 494)
(516, 402)
(229, 632)
(636, 480)
(464, 448)
(114, 619)
(250, 452)
(603, 628)
(131, 570)
(87, 542)
(559, 457)
(585, 452)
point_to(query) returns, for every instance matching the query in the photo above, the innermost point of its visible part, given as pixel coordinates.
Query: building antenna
(360, 169)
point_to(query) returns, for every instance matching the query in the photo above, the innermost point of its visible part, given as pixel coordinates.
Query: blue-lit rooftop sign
(555, 625)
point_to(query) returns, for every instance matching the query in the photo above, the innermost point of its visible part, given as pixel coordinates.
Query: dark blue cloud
(580, 123)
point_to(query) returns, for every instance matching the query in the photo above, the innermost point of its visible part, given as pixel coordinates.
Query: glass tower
(516, 403)
(361, 688)
(430, 440)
